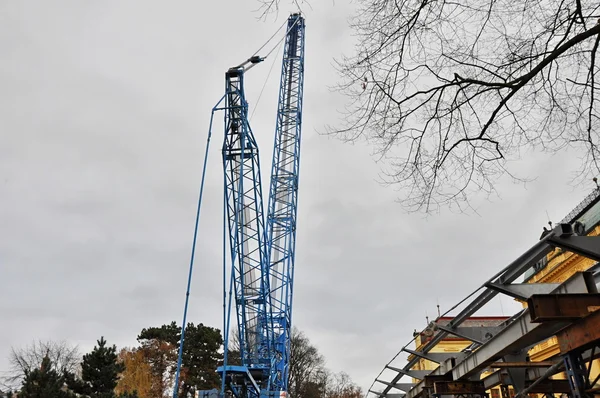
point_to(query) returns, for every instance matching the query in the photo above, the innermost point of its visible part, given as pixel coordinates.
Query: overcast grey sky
(104, 110)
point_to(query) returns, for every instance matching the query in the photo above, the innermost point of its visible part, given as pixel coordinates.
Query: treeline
(56, 369)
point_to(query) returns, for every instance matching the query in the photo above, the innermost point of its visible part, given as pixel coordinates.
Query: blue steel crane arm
(243, 197)
(283, 199)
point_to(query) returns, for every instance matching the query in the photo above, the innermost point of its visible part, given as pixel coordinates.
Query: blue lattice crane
(283, 198)
(260, 264)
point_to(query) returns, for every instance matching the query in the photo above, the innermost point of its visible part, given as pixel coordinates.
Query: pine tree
(200, 356)
(44, 382)
(99, 372)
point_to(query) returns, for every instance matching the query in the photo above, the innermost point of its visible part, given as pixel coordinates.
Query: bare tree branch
(63, 356)
(450, 92)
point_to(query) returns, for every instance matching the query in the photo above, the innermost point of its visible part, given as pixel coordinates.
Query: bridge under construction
(497, 356)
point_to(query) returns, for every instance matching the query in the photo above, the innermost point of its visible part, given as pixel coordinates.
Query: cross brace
(522, 291)
(476, 334)
(399, 386)
(381, 394)
(415, 374)
(437, 357)
(587, 246)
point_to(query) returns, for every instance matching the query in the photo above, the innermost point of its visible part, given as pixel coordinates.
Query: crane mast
(261, 248)
(245, 217)
(283, 198)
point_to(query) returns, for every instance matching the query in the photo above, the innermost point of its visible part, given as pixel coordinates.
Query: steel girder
(519, 333)
(506, 276)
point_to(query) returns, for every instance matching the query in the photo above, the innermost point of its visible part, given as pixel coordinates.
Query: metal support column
(576, 374)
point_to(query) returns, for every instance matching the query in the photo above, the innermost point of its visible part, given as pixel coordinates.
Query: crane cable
(280, 40)
(278, 47)
(263, 87)
(270, 38)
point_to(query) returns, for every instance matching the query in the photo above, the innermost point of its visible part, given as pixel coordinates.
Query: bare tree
(449, 92)
(306, 366)
(63, 357)
(307, 373)
(234, 355)
(308, 377)
(341, 386)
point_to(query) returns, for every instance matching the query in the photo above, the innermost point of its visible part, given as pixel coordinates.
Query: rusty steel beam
(532, 386)
(550, 386)
(541, 364)
(581, 334)
(562, 307)
(458, 387)
(429, 381)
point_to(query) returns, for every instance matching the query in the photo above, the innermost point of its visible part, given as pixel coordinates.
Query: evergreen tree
(44, 382)
(99, 372)
(200, 356)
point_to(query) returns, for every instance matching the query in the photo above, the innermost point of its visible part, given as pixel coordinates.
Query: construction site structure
(260, 235)
(549, 348)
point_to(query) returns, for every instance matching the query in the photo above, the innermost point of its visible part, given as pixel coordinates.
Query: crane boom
(283, 198)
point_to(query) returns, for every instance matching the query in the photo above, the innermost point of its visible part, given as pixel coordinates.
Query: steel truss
(283, 200)
(553, 310)
(243, 195)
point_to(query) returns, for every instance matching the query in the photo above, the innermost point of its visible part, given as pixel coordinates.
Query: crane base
(214, 393)
(241, 383)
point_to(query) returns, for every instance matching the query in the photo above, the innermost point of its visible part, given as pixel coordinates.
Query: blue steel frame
(283, 199)
(262, 255)
(243, 197)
